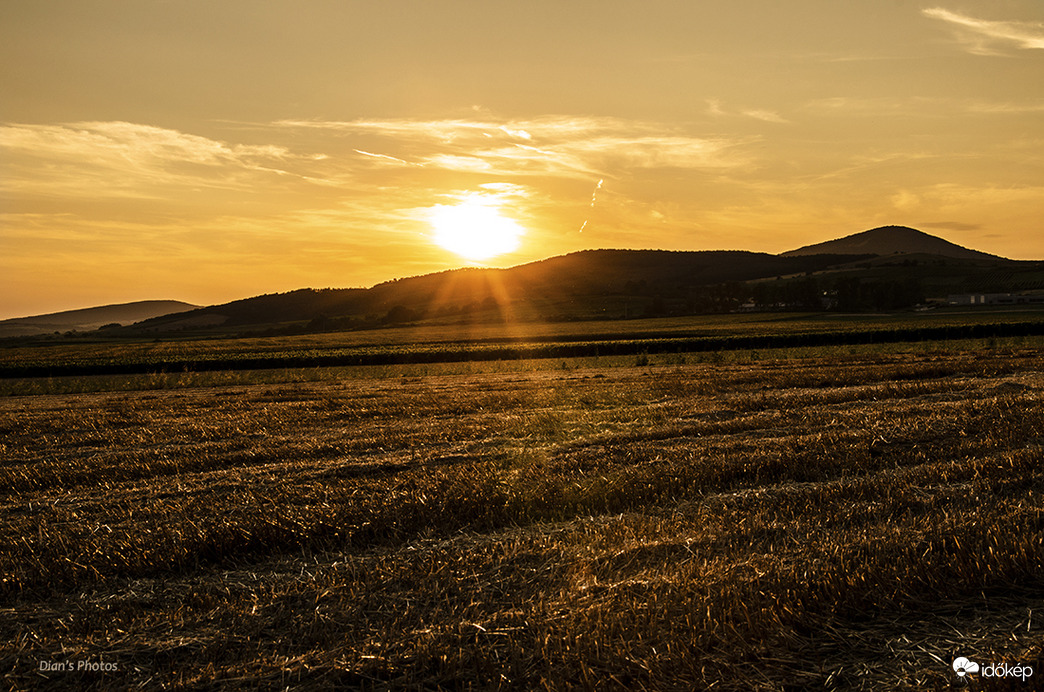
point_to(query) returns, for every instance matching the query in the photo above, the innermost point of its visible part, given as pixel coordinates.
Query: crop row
(444, 353)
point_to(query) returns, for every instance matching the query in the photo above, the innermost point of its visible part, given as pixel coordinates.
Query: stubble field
(849, 521)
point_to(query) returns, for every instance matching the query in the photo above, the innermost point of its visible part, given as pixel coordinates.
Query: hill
(580, 285)
(91, 318)
(887, 268)
(889, 240)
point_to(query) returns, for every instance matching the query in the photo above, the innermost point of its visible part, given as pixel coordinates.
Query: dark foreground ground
(845, 522)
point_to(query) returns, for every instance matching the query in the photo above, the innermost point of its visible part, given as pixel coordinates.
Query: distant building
(993, 299)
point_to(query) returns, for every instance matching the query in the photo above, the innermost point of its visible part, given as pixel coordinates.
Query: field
(844, 518)
(95, 354)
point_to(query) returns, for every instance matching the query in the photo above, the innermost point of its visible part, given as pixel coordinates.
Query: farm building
(993, 299)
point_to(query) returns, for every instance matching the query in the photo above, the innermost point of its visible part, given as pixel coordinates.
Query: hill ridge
(888, 240)
(85, 319)
(616, 283)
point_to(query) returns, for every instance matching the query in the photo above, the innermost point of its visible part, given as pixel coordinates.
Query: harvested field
(842, 522)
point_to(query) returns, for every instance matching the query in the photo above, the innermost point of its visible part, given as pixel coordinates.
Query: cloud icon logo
(963, 666)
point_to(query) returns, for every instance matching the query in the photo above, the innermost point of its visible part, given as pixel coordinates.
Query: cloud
(384, 158)
(522, 134)
(905, 200)
(1005, 108)
(560, 146)
(128, 160)
(767, 116)
(506, 190)
(980, 36)
(654, 151)
(715, 109)
(967, 196)
(455, 162)
(548, 160)
(915, 106)
(134, 143)
(456, 129)
(871, 106)
(181, 195)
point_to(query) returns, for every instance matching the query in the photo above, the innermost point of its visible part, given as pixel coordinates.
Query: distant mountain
(91, 318)
(889, 240)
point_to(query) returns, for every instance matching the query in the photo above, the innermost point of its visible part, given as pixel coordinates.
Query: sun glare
(474, 229)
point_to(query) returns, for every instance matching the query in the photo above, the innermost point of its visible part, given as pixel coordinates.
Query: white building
(992, 299)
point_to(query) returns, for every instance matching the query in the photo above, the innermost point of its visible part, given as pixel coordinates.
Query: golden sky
(209, 151)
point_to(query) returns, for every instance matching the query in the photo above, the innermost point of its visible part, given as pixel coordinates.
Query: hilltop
(87, 319)
(890, 240)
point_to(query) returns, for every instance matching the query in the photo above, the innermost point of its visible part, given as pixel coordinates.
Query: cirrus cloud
(983, 36)
(563, 146)
(122, 159)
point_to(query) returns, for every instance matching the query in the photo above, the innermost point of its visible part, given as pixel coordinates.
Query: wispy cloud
(562, 146)
(385, 158)
(126, 159)
(140, 144)
(766, 116)
(547, 162)
(916, 106)
(715, 109)
(390, 167)
(848, 106)
(1005, 108)
(983, 37)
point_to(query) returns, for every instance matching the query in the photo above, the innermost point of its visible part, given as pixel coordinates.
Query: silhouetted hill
(884, 268)
(578, 285)
(91, 318)
(889, 240)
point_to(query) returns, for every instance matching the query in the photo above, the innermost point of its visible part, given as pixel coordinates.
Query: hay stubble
(771, 525)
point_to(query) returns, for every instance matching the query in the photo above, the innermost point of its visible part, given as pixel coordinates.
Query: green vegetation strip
(449, 353)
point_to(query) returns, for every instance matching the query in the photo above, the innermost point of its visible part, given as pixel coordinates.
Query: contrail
(384, 157)
(594, 197)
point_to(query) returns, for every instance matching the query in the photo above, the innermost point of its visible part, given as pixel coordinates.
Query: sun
(474, 229)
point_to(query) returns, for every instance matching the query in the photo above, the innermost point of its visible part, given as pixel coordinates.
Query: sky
(211, 151)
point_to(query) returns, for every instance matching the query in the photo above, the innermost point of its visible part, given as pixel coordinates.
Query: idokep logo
(963, 667)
